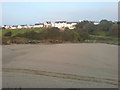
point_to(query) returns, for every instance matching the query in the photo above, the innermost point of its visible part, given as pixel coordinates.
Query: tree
(113, 30)
(81, 24)
(52, 33)
(86, 26)
(70, 35)
(105, 25)
(82, 34)
(30, 35)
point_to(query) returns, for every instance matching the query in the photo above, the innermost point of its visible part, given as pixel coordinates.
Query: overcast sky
(32, 12)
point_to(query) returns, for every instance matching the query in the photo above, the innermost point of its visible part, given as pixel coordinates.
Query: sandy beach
(85, 65)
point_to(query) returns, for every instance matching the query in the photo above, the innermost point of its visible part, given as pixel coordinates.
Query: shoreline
(49, 43)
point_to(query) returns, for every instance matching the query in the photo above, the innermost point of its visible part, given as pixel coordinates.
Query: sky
(19, 13)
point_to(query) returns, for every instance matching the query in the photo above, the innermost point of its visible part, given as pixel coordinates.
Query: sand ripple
(63, 75)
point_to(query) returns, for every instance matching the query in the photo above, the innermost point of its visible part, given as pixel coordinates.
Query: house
(19, 27)
(24, 26)
(38, 25)
(71, 25)
(13, 27)
(6, 26)
(60, 24)
(64, 24)
(30, 26)
(48, 24)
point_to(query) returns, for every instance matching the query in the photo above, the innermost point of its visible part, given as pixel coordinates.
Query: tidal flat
(84, 65)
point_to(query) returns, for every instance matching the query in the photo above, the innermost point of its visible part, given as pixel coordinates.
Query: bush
(9, 33)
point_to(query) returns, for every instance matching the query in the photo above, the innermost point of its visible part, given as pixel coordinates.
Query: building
(71, 25)
(19, 27)
(38, 25)
(30, 26)
(13, 27)
(47, 24)
(60, 24)
(24, 26)
(6, 26)
(64, 24)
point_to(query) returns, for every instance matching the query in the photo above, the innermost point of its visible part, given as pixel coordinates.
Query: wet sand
(60, 66)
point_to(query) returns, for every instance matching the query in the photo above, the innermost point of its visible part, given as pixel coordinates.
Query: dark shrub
(9, 33)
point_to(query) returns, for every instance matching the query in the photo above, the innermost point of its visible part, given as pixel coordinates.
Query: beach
(68, 65)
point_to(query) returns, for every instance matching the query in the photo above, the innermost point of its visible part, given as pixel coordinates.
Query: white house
(60, 24)
(24, 26)
(13, 27)
(64, 24)
(19, 27)
(38, 25)
(30, 26)
(6, 26)
(48, 24)
(71, 25)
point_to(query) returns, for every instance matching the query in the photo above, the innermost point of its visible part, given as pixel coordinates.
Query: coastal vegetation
(85, 31)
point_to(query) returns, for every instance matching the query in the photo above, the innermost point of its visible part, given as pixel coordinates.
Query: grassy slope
(16, 31)
(102, 36)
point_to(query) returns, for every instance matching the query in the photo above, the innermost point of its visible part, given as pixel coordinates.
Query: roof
(15, 25)
(60, 22)
(71, 22)
(39, 24)
(48, 22)
(23, 25)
